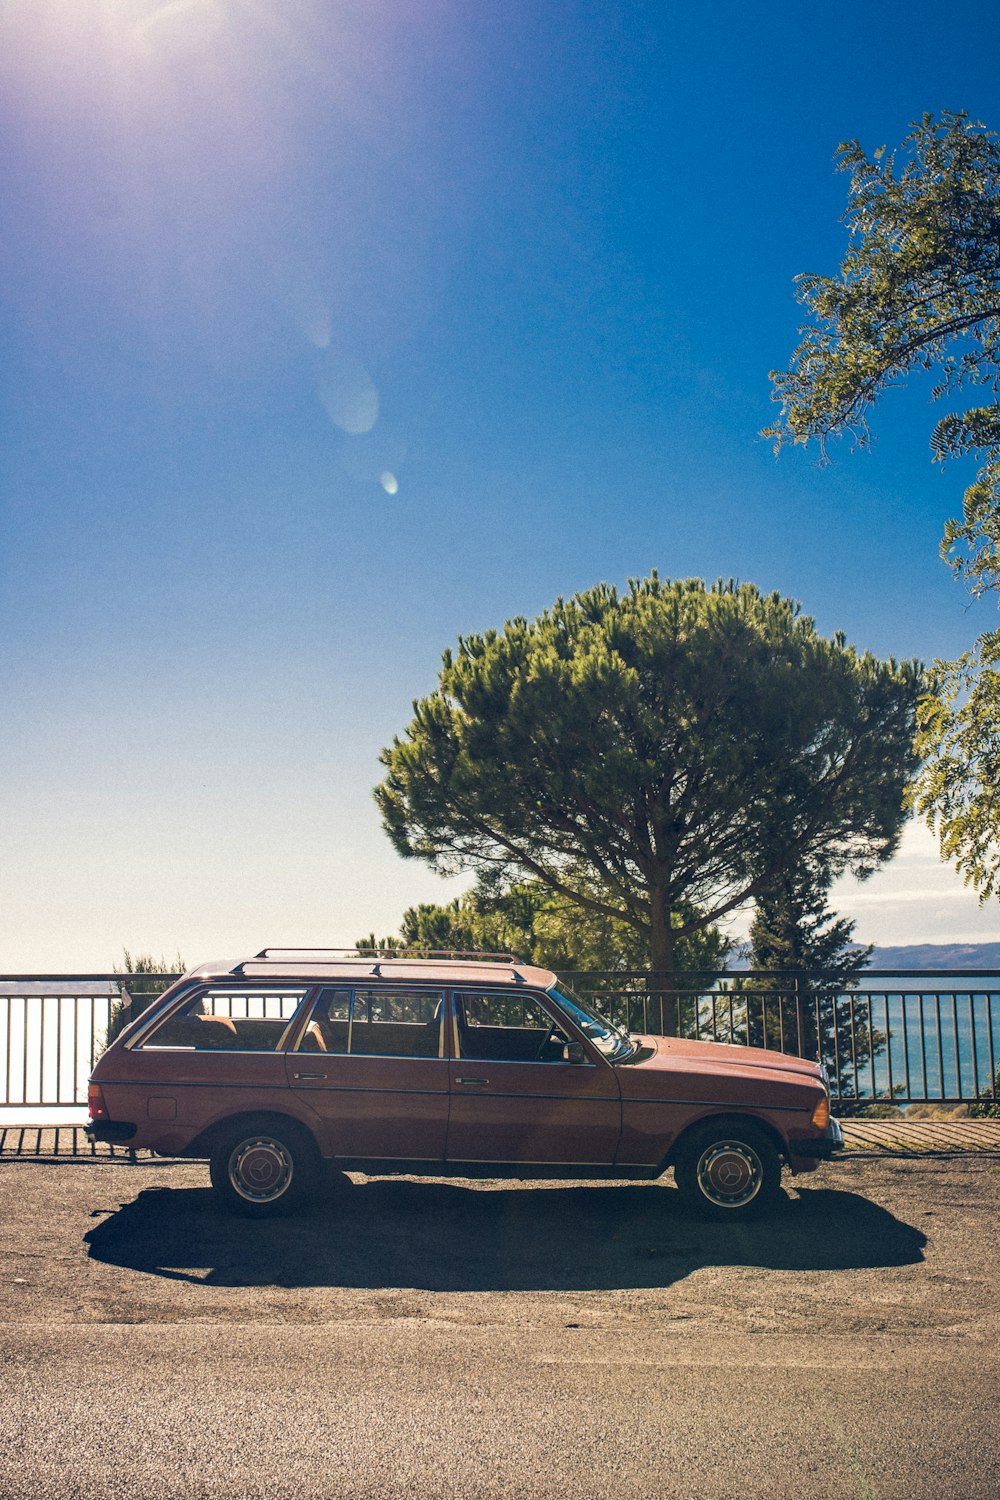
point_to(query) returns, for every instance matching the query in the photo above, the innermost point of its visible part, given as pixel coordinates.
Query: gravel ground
(433, 1338)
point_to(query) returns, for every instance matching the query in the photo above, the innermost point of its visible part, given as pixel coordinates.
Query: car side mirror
(573, 1052)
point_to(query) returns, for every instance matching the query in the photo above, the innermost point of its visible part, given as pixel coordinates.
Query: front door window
(507, 1028)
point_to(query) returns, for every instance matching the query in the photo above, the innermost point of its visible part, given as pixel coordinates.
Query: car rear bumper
(114, 1132)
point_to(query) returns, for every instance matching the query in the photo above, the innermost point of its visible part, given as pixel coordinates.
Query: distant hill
(938, 956)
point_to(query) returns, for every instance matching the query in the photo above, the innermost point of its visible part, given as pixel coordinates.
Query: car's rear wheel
(728, 1171)
(262, 1168)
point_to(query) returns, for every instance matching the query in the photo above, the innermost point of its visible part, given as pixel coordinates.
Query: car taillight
(95, 1102)
(821, 1114)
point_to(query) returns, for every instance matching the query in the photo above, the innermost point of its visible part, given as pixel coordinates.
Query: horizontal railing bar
(81, 978)
(807, 974)
(932, 986)
(645, 974)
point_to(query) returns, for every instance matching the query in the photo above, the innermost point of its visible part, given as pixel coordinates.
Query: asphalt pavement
(431, 1338)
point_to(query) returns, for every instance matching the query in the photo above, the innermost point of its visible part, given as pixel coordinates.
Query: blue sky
(335, 329)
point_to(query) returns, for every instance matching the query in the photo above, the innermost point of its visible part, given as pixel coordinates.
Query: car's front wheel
(260, 1169)
(727, 1171)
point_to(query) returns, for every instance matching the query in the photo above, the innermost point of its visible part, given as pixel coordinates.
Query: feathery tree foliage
(919, 288)
(537, 924)
(958, 731)
(656, 757)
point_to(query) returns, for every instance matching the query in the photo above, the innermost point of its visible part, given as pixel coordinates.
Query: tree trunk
(664, 1018)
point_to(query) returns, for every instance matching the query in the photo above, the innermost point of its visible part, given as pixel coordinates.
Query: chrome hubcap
(260, 1169)
(730, 1174)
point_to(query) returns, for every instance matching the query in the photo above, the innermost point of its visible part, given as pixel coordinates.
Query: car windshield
(614, 1041)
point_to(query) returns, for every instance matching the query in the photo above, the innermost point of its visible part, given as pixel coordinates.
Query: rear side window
(228, 1020)
(377, 1022)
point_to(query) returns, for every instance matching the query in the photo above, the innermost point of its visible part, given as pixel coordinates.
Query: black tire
(262, 1168)
(728, 1171)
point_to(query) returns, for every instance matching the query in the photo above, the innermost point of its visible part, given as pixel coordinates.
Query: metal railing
(54, 1027)
(907, 1036)
(902, 1036)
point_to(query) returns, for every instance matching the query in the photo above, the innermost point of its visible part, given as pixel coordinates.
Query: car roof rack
(379, 956)
(415, 950)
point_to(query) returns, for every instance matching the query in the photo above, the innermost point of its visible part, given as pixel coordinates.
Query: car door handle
(472, 1080)
(309, 1075)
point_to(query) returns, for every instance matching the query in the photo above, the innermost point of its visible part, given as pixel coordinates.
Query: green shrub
(140, 993)
(987, 1107)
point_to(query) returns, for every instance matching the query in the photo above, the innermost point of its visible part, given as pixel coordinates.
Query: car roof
(295, 964)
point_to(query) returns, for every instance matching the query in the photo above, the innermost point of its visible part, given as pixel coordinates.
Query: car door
(370, 1062)
(514, 1096)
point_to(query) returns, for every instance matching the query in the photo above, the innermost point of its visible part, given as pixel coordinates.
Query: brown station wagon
(436, 1066)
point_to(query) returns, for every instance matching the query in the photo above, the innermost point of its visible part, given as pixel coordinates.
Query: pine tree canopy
(534, 922)
(655, 757)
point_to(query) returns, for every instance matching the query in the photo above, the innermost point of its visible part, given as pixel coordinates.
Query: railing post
(127, 1003)
(654, 989)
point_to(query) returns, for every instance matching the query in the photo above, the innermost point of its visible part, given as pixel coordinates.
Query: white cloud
(916, 898)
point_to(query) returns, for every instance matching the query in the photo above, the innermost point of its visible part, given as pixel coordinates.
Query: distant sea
(942, 1033)
(944, 1046)
(960, 1041)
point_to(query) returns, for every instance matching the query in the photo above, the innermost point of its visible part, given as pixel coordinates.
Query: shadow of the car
(439, 1236)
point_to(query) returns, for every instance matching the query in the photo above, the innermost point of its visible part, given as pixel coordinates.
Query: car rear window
(386, 1022)
(228, 1020)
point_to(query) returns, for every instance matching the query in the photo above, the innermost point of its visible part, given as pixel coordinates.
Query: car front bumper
(819, 1147)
